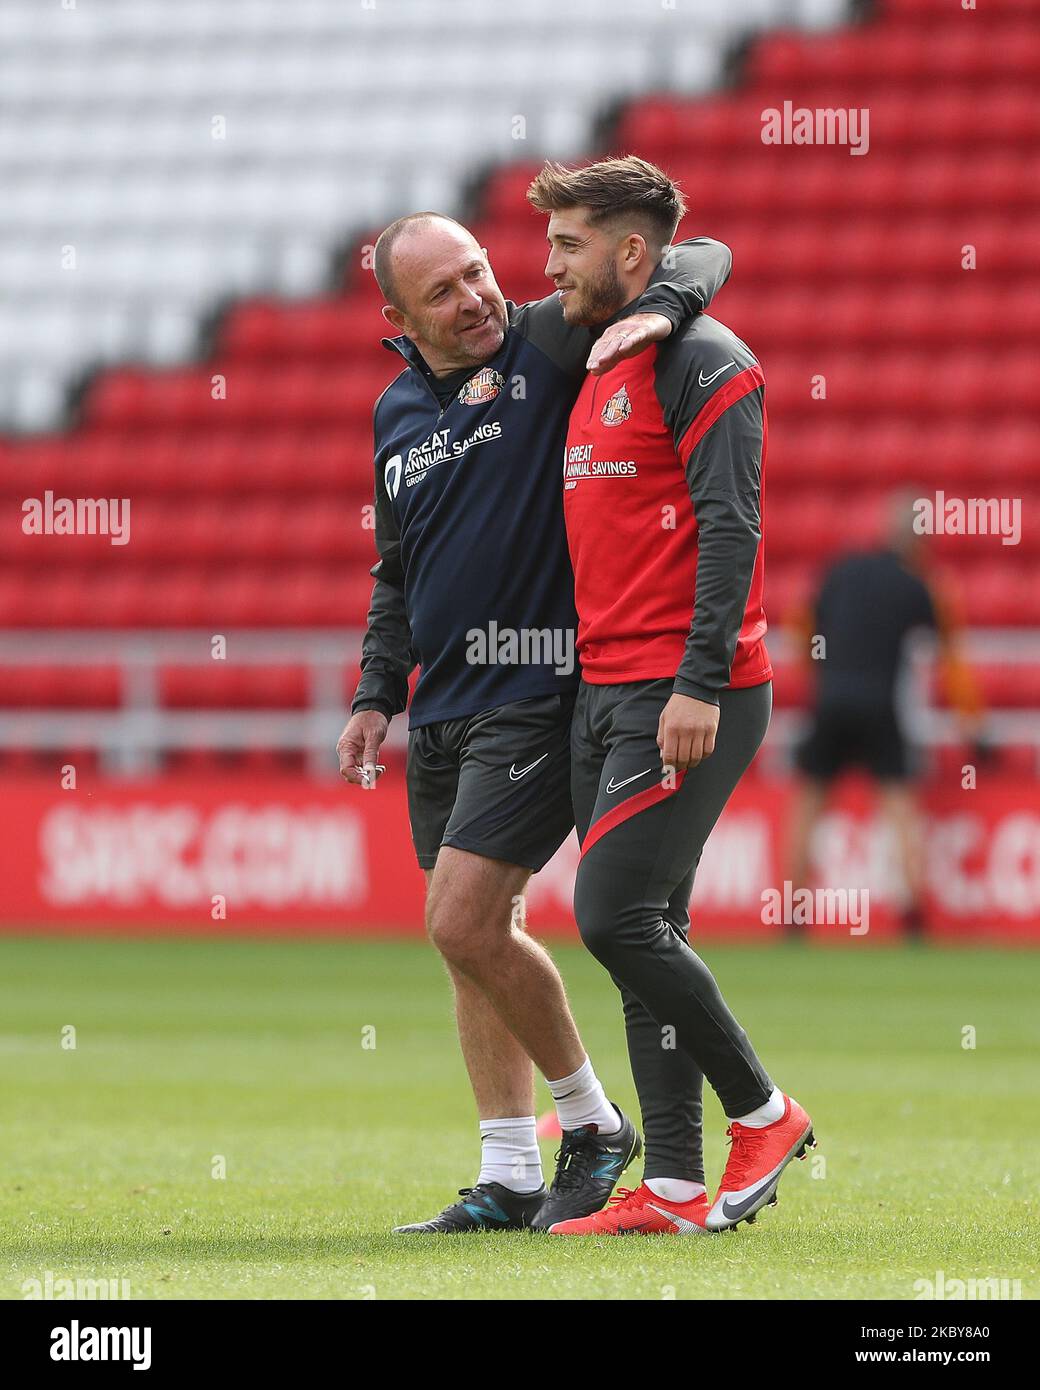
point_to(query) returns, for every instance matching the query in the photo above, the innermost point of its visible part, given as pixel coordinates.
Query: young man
(662, 499)
(470, 534)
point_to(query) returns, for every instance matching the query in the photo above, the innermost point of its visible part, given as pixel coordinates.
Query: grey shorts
(495, 783)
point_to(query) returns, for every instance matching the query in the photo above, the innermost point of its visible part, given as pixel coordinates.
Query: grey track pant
(641, 842)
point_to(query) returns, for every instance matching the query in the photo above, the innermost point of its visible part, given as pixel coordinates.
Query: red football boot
(757, 1158)
(639, 1211)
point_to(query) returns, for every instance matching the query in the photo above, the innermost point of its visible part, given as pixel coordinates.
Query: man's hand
(626, 339)
(358, 746)
(686, 732)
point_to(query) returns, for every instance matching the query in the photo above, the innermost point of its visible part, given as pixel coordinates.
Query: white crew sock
(674, 1189)
(580, 1101)
(767, 1114)
(509, 1154)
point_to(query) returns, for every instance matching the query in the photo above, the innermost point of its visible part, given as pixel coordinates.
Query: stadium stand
(159, 161)
(247, 494)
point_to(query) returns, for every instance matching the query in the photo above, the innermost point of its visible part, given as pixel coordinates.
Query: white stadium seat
(112, 144)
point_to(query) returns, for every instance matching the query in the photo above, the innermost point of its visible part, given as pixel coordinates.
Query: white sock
(580, 1101)
(674, 1189)
(509, 1154)
(767, 1114)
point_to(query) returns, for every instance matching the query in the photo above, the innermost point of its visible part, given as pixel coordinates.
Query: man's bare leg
(899, 806)
(473, 919)
(500, 1071)
(511, 1010)
(809, 798)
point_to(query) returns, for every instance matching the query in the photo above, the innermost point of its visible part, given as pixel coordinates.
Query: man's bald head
(384, 257)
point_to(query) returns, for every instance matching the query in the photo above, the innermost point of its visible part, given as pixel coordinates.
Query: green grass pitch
(189, 1052)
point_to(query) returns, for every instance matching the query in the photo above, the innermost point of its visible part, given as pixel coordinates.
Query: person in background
(868, 605)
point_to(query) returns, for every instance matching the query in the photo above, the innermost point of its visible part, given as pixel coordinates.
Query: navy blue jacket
(474, 582)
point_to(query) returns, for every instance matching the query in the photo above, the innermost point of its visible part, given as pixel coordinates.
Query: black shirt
(867, 606)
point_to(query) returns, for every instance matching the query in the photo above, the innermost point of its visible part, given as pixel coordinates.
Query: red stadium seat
(247, 511)
(216, 685)
(59, 687)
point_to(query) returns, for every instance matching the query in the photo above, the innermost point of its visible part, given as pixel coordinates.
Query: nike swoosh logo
(707, 380)
(737, 1209)
(684, 1227)
(613, 786)
(515, 776)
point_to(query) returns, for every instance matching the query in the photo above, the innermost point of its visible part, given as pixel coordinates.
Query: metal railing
(132, 739)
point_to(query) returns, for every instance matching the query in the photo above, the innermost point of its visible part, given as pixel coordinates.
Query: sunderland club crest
(483, 386)
(617, 409)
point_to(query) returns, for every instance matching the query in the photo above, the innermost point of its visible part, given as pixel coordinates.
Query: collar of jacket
(416, 361)
(409, 352)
